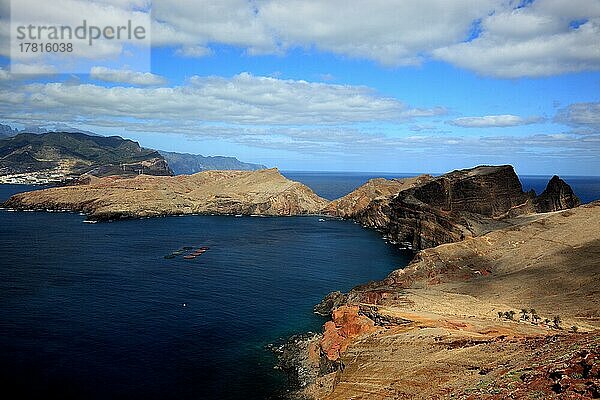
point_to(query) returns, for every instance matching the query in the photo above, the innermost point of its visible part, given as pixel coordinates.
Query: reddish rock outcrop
(346, 324)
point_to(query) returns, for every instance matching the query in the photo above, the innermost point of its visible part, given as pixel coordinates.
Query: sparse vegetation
(556, 322)
(524, 314)
(510, 315)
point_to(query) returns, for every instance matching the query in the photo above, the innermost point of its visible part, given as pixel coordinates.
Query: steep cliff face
(264, 192)
(557, 196)
(359, 199)
(460, 204)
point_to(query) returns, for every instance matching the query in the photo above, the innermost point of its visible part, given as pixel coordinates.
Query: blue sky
(398, 86)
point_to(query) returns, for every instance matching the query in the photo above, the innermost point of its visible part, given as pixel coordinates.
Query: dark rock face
(558, 195)
(332, 301)
(301, 359)
(460, 204)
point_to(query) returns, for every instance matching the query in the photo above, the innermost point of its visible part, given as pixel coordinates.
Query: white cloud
(494, 121)
(197, 23)
(538, 40)
(390, 32)
(387, 31)
(4, 75)
(194, 51)
(242, 99)
(31, 69)
(73, 13)
(582, 115)
(126, 76)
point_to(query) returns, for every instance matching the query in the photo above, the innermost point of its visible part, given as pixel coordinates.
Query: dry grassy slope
(455, 346)
(264, 192)
(551, 264)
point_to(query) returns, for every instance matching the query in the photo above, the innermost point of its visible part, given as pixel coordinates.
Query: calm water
(95, 311)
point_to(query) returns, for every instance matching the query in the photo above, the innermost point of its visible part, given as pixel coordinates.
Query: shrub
(556, 321)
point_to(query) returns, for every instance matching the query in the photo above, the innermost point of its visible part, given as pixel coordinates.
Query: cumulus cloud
(394, 33)
(494, 121)
(390, 32)
(126, 76)
(502, 38)
(73, 13)
(4, 75)
(545, 38)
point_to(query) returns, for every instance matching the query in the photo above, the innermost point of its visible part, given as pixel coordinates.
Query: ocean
(95, 311)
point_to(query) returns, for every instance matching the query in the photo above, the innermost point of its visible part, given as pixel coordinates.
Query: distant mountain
(70, 155)
(7, 131)
(183, 163)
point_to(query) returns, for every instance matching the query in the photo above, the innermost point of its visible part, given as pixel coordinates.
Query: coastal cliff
(358, 200)
(264, 192)
(490, 250)
(458, 205)
(509, 314)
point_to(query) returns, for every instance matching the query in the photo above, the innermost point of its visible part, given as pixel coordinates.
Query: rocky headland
(264, 192)
(458, 205)
(502, 302)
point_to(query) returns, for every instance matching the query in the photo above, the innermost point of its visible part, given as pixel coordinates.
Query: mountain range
(71, 155)
(63, 156)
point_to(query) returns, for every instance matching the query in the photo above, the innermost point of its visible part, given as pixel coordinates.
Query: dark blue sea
(95, 311)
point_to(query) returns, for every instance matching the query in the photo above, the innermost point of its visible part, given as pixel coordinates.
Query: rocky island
(263, 192)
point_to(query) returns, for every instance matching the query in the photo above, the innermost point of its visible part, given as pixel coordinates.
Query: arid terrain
(450, 325)
(264, 192)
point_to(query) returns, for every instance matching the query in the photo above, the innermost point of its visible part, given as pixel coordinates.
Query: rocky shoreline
(485, 255)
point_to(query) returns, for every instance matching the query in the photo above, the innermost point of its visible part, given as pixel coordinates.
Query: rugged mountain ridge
(460, 204)
(68, 155)
(264, 192)
(187, 164)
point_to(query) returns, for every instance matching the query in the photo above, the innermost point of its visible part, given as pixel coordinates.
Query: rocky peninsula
(502, 302)
(264, 192)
